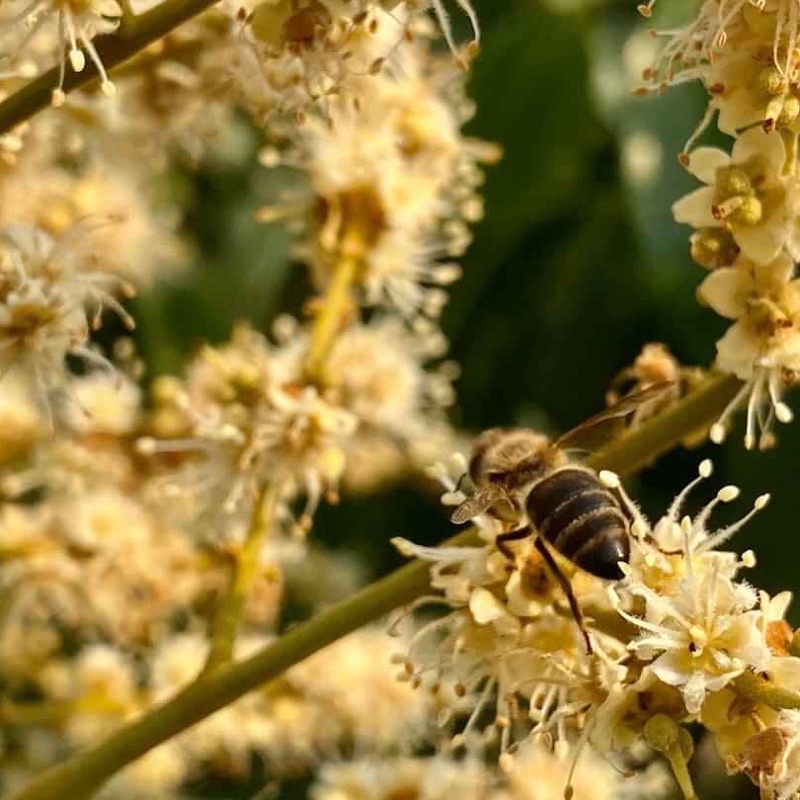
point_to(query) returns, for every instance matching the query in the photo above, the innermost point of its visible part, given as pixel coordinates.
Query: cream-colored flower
(403, 213)
(763, 346)
(434, 778)
(699, 626)
(49, 306)
(74, 22)
(316, 51)
(247, 410)
(104, 403)
(748, 87)
(379, 372)
(704, 638)
(747, 193)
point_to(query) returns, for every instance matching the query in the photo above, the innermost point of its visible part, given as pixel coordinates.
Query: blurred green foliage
(576, 265)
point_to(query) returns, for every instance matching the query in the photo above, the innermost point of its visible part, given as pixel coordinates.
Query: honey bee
(537, 487)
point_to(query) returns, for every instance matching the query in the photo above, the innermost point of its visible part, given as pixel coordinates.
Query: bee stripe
(557, 488)
(581, 504)
(581, 519)
(601, 554)
(581, 531)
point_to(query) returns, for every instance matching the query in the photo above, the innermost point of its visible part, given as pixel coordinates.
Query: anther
(728, 493)
(783, 413)
(761, 502)
(717, 433)
(609, 479)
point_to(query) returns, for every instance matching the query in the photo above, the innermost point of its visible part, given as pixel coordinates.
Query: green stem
(335, 305)
(85, 772)
(691, 417)
(245, 572)
(752, 687)
(113, 49)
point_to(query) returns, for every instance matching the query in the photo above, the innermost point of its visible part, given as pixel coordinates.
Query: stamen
(726, 533)
(675, 508)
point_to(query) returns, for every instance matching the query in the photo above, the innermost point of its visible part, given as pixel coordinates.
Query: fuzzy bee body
(581, 519)
(534, 487)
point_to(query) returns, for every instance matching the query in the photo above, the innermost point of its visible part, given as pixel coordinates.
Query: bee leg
(566, 587)
(511, 536)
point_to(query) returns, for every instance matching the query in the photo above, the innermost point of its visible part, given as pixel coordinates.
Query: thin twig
(244, 574)
(113, 49)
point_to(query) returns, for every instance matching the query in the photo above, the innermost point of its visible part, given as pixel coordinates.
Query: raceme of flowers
(130, 511)
(671, 642)
(745, 216)
(137, 510)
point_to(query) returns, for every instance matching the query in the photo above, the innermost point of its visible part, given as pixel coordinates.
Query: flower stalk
(335, 306)
(752, 687)
(245, 572)
(86, 772)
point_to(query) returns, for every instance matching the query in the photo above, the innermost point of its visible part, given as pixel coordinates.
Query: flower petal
(755, 142)
(695, 209)
(705, 161)
(761, 243)
(725, 290)
(737, 351)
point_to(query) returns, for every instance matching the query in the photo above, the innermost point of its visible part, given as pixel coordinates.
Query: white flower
(76, 23)
(747, 193)
(763, 346)
(49, 305)
(699, 627)
(434, 778)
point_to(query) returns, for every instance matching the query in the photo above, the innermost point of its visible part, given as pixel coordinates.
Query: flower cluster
(311, 52)
(347, 397)
(51, 298)
(32, 29)
(397, 215)
(746, 215)
(537, 774)
(134, 517)
(677, 640)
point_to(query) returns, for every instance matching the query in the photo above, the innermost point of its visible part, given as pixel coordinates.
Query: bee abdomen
(581, 519)
(550, 494)
(597, 543)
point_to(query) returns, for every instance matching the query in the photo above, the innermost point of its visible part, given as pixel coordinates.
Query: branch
(113, 49)
(244, 574)
(84, 773)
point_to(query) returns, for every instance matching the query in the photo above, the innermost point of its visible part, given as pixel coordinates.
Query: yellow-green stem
(688, 418)
(113, 49)
(85, 772)
(790, 143)
(335, 305)
(245, 571)
(128, 19)
(752, 687)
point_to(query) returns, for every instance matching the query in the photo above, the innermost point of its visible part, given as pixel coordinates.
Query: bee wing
(477, 504)
(611, 423)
